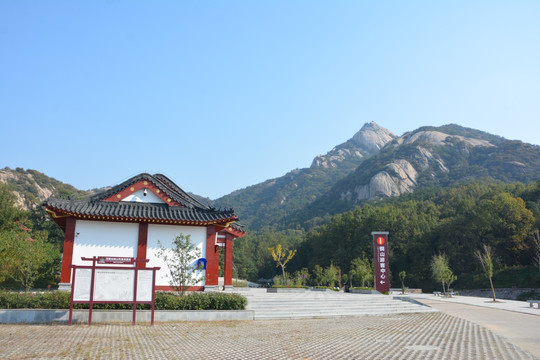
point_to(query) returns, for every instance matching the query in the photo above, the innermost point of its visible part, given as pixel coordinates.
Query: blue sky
(220, 95)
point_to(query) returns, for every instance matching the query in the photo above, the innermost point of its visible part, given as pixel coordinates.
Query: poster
(83, 278)
(145, 285)
(114, 284)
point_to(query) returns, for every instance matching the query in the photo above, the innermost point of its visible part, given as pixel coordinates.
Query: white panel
(166, 235)
(138, 196)
(100, 238)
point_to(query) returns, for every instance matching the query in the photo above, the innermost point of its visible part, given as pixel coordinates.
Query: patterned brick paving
(407, 336)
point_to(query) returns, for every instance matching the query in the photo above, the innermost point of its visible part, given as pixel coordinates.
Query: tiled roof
(162, 182)
(187, 211)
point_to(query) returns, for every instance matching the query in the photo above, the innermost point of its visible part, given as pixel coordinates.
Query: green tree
(485, 256)
(441, 271)
(402, 274)
(331, 275)
(318, 275)
(9, 213)
(282, 256)
(301, 277)
(180, 262)
(26, 257)
(361, 270)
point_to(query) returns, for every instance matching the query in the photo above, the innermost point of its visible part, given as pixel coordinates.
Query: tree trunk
(283, 272)
(492, 289)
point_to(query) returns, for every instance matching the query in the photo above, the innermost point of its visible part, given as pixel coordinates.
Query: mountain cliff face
(402, 174)
(430, 156)
(265, 203)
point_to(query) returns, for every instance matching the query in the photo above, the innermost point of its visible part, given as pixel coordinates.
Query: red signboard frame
(116, 260)
(380, 255)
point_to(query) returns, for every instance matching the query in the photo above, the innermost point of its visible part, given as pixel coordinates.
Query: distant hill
(32, 187)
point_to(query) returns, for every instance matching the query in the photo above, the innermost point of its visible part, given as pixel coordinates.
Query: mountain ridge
(373, 164)
(427, 156)
(265, 203)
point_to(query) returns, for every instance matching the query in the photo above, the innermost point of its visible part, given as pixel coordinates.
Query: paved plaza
(433, 335)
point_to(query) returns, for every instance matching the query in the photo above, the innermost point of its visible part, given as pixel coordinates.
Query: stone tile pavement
(404, 336)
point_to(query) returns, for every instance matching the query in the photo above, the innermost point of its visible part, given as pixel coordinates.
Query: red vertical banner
(380, 253)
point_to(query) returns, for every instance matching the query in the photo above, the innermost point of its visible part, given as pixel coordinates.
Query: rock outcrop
(367, 141)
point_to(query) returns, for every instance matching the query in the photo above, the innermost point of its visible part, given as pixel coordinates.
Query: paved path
(470, 334)
(514, 320)
(407, 336)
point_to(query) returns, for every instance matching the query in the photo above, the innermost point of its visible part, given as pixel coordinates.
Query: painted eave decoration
(145, 198)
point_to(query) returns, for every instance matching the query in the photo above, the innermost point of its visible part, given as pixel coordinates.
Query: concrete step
(326, 304)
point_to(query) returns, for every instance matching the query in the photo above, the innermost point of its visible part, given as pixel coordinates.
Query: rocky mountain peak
(372, 137)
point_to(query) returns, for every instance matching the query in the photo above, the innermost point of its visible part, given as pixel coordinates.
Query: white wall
(166, 235)
(100, 238)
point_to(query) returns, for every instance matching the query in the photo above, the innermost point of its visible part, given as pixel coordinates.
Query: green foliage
(402, 274)
(453, 220)
(361, 270)
(529, 295)
(507, 277)
(24, 258)
(325, 277)
(164, 301)
(179, 260)
(252, 258)
(301, 277)
(441, 271)
(9, 214)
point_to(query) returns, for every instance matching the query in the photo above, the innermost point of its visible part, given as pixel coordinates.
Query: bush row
(164, 301)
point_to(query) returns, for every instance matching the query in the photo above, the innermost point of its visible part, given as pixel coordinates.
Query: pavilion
(128, 220)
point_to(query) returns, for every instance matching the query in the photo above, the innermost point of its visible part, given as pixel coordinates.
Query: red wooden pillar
(212, 258)
(228, 260)
(141, 244)
(67, 254)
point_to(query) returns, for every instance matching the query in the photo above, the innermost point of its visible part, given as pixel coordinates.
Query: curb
(39, 316)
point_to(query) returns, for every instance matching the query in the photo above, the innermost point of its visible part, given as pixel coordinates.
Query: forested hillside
(454, 221)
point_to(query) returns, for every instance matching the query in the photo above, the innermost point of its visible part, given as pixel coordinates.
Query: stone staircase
(320, 304)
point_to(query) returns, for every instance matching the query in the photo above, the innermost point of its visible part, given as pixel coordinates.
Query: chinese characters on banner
(380, 251)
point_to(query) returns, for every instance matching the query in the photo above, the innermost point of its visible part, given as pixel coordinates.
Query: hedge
(164, 301)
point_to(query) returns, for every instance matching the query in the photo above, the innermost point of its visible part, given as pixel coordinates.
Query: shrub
(164, 301)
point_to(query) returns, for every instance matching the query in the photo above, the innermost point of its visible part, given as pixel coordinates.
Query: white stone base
(209, 288)
(64, 286)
